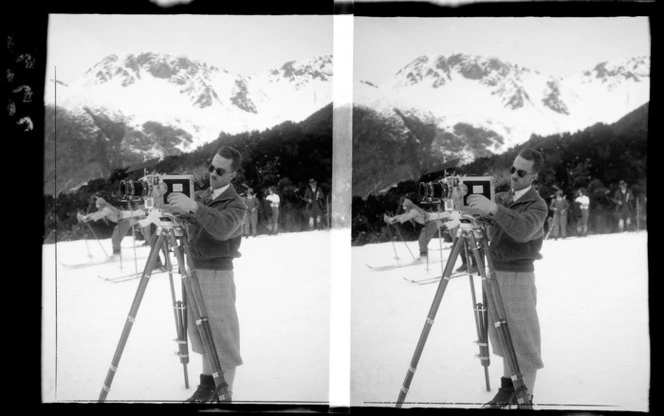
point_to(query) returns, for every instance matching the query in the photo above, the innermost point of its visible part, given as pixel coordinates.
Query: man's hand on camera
(482, 205)
(182, 202)
(80, 217)
(387, 219)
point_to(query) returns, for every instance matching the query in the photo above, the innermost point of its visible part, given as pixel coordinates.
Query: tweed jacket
(518, 231)
(215, 229)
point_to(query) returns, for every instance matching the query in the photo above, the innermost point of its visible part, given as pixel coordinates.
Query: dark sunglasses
(219, 171)
(519, 172)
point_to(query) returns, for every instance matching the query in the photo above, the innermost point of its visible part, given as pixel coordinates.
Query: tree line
(285, 156)
(594, 159)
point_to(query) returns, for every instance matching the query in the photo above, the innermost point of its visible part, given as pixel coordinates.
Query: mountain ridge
(202, 99)
(478, 106)
(479, 86)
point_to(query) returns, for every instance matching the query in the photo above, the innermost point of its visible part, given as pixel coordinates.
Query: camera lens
(125, 189)
(440, 190)
(141, 188)
(130, 189)
(423, 191)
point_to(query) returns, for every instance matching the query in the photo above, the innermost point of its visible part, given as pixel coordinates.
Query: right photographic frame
(499, 254)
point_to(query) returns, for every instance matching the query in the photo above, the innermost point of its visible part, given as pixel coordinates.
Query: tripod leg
(193, 290)
(480, 317)
(133, 236)
(456, 248)
(499, 315)
(142, 285)
(440, 249)
(182, 316)
(178, 314)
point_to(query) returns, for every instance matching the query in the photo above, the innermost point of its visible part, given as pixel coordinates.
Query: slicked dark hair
(228, 152)
(533, 156)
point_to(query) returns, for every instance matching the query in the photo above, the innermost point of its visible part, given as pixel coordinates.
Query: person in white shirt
(275, 201)
(584, 205)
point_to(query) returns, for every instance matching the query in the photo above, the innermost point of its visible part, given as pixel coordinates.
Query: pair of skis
(434, 279)
(396, 266)
(88, 264)
(423, 281)
(127, 277)
(115, 279)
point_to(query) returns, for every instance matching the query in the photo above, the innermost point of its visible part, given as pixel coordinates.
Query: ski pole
(394, 248)
(404, 242)
(85, 235)
(96, 238)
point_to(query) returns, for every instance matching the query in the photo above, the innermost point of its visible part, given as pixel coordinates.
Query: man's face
(219, 181)
(518, 183)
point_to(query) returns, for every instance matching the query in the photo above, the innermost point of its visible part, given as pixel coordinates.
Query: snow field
(593, 309)
(283, 305)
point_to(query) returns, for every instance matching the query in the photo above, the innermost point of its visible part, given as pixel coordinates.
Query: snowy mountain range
(503, 102)
(435, 108)
(195, 97)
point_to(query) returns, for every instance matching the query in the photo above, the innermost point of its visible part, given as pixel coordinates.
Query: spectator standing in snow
(315, 200)
(584, 205)
(251, 217)
(275, 202)
(559, 206)
(624, 200)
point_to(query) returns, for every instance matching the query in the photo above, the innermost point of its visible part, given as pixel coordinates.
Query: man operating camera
(215, 234)
(516, 236)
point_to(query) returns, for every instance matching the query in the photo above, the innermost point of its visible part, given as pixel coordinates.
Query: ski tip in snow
(88, 264)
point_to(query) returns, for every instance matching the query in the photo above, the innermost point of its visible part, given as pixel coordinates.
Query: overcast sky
(242, 44)
(556, 46)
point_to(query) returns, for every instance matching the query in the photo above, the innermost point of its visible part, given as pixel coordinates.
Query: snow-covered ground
(592, 303)
(283, 301)
(593, 308)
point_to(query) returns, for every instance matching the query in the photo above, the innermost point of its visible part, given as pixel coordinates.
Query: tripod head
(165, 221)
(464, 221)
(470, 224)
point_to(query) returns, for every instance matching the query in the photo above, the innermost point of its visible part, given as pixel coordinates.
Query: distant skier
(417, 215)
(123, 219)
